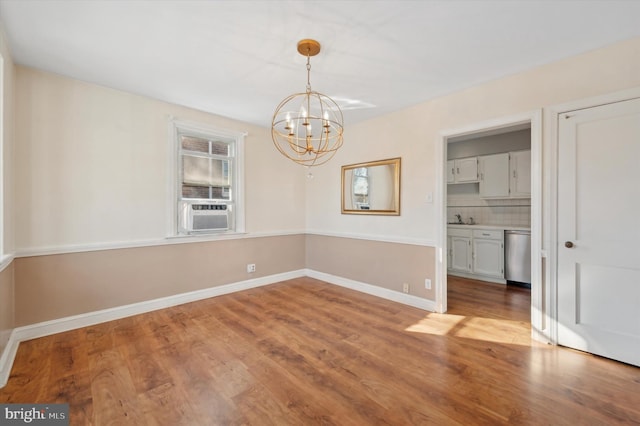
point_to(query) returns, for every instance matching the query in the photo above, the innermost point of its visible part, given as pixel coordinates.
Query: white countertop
(496, 227)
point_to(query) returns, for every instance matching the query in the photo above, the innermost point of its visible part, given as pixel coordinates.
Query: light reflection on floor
(479, 328)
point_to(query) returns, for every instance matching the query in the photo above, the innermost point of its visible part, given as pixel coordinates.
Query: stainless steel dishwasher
(517, 256)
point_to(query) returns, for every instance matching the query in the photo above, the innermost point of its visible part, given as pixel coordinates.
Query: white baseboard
(34, 331)
(406, 299)
(91, 318)
(477, 277)
(6, 359)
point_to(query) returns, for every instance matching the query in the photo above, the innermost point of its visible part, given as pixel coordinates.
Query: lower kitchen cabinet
(476, 253)
(488, 253)
(461, 253)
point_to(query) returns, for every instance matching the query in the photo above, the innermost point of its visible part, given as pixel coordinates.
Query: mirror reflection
(371, 188)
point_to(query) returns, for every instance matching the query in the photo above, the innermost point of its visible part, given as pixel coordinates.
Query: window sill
(207, 236)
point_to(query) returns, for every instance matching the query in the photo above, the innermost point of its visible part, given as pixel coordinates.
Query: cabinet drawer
(488, 234)
(455, 232)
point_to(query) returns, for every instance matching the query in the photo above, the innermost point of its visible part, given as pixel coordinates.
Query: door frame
(534, 118)
(551, 117)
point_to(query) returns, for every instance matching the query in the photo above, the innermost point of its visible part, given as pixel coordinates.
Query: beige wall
(7, 297)
(93, 166)
(7, 287)
(383, 264)
(8, 143)
(62, 285)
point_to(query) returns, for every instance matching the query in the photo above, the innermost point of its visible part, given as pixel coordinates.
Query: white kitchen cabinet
(505, 175)
(488, 253)
(460, 250)
(466, 169)
(494, 175)
(476, 253)
(520, 174)
(451, 171)
(462, 170)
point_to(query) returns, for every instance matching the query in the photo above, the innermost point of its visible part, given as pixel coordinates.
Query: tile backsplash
(513, 212)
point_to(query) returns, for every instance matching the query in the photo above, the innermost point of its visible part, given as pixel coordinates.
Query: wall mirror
(371, 188)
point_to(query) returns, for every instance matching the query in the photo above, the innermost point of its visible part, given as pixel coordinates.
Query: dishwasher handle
(517, 232)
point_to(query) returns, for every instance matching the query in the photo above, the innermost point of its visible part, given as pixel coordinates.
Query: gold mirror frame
(382, 176)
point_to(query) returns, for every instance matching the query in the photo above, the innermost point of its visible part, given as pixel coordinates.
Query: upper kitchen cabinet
(462, 170)
(520, 174)
(506, 175)
(451, 171)
(494, 175)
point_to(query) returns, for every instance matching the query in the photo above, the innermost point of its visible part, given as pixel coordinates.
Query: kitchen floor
(497, 301)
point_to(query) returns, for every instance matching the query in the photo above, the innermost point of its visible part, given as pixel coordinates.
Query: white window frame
(180, 127)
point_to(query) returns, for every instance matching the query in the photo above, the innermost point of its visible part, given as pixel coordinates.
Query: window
(208, 185)
(361, 188)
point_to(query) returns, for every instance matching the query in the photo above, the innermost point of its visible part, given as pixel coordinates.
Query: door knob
(568, 244)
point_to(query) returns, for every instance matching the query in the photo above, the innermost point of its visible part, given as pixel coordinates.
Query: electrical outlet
(427, 283)
(405, 288)
(251, 267)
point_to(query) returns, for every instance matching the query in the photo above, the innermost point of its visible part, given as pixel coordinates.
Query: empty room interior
(319, 212)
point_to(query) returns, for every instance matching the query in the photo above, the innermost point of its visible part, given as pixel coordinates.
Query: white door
(599, 230)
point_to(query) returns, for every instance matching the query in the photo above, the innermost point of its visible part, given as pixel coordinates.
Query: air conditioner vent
(202, 217)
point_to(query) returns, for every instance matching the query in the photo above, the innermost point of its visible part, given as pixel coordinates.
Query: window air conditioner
(204, 217)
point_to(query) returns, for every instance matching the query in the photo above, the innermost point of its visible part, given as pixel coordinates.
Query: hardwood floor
(305, 352)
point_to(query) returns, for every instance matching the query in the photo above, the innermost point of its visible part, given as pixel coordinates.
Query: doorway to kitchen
(491, 183)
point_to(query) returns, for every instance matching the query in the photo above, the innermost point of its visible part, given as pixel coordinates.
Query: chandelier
(307, 127)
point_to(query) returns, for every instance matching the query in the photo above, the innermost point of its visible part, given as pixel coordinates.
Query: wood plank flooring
(304, 352)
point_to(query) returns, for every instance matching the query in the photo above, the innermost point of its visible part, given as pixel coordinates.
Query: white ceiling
(239, 58)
